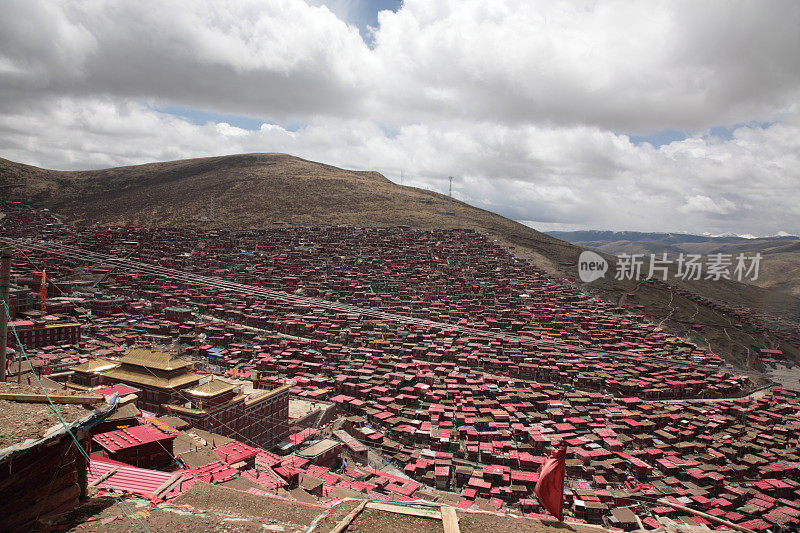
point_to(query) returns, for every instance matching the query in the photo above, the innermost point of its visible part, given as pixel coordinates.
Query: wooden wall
(45, 480)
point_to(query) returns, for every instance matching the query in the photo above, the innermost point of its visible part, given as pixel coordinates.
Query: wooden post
(711, 518)
(449, 519)
(342, 525)
(105, 477)
(5, 282)
(81, 399)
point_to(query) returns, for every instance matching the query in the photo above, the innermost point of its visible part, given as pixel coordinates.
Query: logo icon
(591, 266)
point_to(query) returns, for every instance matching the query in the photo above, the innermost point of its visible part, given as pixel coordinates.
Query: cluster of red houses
(647, 416)
(156, 460)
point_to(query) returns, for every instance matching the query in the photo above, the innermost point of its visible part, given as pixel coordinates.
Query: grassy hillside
(260, 190)
(253, 190)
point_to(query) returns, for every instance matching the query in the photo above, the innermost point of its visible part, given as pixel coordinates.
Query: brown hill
(259, 190)
(253, 190)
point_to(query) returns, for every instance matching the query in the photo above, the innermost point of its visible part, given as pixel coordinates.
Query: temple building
(169, 385)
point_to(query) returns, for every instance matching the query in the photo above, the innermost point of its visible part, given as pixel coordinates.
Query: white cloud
(523, 102)
(280, 58)
(567, 175)
(704, 204)
(618, 65)
(621, 65)
(227, 130)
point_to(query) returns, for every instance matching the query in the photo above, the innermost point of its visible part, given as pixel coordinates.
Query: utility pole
(5, 282)
(450, 202)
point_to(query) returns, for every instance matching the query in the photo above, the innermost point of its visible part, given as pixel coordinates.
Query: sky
(675, 116)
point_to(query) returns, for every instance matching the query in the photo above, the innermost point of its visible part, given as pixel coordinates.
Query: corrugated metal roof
(126, 478)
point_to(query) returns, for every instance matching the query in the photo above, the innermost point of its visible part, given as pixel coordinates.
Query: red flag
(550, 487)
(43, 292)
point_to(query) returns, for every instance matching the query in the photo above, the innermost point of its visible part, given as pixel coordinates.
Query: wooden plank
(168, 485)
(342, 525)
(104, 477)
(56, 398)
(406, 510)
(450, 520)
(711, 518)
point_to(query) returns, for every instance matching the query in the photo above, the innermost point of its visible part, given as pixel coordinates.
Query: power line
(283, 295)
(276, 419)
(5, 282)
(120, 501)
(267, 430)
(219, 283)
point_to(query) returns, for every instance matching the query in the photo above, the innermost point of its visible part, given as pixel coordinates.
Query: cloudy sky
(652, 116)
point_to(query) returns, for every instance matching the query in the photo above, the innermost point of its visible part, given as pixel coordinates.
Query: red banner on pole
(550, 487)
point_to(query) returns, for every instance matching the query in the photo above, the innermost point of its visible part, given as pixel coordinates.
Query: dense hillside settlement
(318, 367)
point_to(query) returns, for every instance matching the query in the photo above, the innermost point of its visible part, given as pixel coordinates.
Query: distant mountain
(779, 268)
(666, 238)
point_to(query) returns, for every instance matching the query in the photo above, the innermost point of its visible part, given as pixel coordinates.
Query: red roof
(214, 472)
(122, 439)
(119, 388)
(266, 459)
(300, 436)
(264, 479)
(235, 451)
(406, 489)
(294, 461)
(126, 478)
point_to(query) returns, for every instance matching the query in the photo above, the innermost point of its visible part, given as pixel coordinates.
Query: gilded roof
(94, 365)
(143, 377)
(213, 387)
(153, 359)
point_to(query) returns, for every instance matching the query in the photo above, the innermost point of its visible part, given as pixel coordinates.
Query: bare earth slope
(250, 190)
(259, 190)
